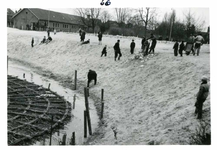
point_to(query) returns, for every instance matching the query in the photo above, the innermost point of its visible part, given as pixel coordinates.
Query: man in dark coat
(181, 48)
(143, 44)
(49, 39)
(176, 47)
(104, 52)
(201, 97)
(146, 45)
(32, 43)
(100, 38)
(83, 36)
(92, 75)
(43, 41)
(132, 46)
(117, 50)
(48, 32)
(153, 43)
(80, 31)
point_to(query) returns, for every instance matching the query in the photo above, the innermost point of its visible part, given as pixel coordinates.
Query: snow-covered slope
(148, 101)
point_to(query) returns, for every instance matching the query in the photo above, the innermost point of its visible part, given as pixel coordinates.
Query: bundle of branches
(202, 136)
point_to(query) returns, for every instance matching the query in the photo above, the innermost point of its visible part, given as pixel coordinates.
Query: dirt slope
(149, 101)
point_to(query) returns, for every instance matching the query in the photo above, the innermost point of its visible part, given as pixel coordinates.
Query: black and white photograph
(108, 74)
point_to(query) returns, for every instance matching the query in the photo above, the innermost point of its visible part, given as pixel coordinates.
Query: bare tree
(105, 16)
(146, 15)
(122, 14)
(191, 20)
(89, 16)
(135, 20)
(172, 21)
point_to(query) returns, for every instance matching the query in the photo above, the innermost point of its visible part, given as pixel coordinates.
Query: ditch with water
(77, 120)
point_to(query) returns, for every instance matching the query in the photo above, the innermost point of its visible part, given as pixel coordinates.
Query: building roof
(10, 12)
(43, 14)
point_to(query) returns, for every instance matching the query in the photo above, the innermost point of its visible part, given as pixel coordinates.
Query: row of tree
(133, 21)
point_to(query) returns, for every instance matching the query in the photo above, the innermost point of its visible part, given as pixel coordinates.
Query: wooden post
(88, 92)
(87, 109)
(7, 64)
(58, 132)
(73, 138)
(64, 139)
(23, 75)
(51, 130)
(49, 86)
(75, 79)
(31, 77)
(85, 123)
(74, 99)
(102, 102)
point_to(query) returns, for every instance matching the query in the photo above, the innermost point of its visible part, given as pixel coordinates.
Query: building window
(65, 26)
(56, 25)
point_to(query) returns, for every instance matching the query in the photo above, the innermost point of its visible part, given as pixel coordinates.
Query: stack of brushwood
(32, 110)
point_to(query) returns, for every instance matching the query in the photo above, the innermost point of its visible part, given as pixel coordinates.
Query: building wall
(63, 27)
(24, 19)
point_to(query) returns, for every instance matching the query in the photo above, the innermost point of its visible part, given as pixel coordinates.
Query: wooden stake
(64, 139)
(7, 64)
(49, 86)
(102, 102)
(31, 77)
(51, 130)
(88, 94)
(74, 99)
(58, 132)
(85, 123)
(102, 109)
(73, 138)
(87, 109)
(75, 80)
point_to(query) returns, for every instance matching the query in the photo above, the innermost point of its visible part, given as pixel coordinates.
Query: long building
(40, 19)
(10, 14)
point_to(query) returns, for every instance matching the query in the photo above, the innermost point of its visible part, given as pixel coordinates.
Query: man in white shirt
(199, 40)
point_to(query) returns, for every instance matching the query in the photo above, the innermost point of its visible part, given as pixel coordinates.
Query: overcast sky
(198, 12)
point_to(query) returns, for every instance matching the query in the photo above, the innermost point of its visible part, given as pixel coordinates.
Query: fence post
(31, 77)
(58, 132)
(102, 102)
(75, 80)
(49, 86)
(7, 64)
(85, 123)
(74, 99)
(88, 113)
(51, 130)
(88, 94)
(64, 139)
(73, 138)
